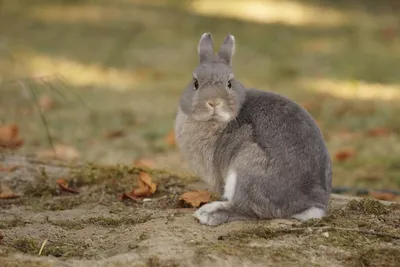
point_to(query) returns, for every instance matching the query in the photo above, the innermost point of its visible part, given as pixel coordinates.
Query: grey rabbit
(261, 151)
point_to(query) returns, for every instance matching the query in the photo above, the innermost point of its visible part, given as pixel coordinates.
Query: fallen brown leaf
(143, 162)
(145, 181)
(388, 33)
(383, 196)
(64, 186)
(7, 193)
(380, 131)
(344, 154)
(115, 134)
(146, 187)
(170, 138)
(9, 137)
(61, 152)
(46, 102)
(196, 198)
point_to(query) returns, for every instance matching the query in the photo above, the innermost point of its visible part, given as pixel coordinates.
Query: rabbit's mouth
(220, 116)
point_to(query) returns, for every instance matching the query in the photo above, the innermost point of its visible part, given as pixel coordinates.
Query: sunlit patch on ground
(271, 11)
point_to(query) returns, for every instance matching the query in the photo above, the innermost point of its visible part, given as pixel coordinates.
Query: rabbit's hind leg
(218, 212)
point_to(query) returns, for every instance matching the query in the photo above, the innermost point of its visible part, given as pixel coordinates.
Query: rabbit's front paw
(213, 213)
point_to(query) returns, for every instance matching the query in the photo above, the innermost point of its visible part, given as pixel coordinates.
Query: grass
(129, 60)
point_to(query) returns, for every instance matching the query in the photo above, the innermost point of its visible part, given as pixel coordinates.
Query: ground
(113, 72)
(95, 228)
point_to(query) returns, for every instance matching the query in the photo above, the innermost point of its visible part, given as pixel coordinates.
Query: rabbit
(261, 151)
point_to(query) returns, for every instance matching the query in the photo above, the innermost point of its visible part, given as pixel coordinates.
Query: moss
(116, 222)
(256, 232)
(63, 203)
(65, 249)
(349, 240)
(69, 224)
(101, 221)
(376, 257)
(368, 206)
(26, 245)
(281, 254)
(17, 221)
(8, 262)
(155, 261)
(394, 206)
(119, 178)
(43, 186)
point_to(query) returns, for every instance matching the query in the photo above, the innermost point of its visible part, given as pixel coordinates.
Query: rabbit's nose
(214, 103)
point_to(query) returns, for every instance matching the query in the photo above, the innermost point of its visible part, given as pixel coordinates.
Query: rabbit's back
(290, 150)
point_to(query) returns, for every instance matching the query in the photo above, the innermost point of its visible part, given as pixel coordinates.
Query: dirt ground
(95, 228)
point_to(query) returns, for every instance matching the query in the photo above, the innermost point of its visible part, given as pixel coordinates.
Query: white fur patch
(311, 213)
(230, 185)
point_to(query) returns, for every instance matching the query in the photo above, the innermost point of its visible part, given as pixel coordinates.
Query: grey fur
(275, 147)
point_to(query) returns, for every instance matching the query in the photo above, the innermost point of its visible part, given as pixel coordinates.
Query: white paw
(205, 214)
(310, 213)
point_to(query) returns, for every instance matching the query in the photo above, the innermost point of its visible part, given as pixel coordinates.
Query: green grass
(129, 60)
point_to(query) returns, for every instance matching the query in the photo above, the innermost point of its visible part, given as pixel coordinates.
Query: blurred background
(100, 80)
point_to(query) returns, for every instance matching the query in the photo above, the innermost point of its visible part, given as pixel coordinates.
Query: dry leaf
(145, 181)
(9, 136)
(64, 186)
(62, 152)
(7, 193)
(146, 188)
(344, 154)
(46, 102)
(196, 198)
(170, 138)
(143, 162)
(388, 33)
(383, 196)
(114, 134)
(381, 131)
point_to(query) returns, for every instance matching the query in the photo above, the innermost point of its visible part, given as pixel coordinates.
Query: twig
(41, 248)
(44, 120)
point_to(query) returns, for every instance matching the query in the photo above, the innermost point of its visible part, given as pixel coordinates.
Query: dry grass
(129, 60)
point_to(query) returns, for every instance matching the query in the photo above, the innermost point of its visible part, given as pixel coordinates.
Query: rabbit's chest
(197, 143)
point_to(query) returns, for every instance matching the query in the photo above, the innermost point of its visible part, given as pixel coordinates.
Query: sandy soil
(95, 228)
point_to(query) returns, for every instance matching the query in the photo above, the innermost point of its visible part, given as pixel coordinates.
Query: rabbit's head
(213, 93)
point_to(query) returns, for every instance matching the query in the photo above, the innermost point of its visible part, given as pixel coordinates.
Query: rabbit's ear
(227, 49)
(205, 47)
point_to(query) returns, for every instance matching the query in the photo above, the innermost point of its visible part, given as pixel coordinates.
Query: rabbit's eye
(229, 85)
(196, 84)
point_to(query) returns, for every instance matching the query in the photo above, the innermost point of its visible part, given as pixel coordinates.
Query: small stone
(146, 199)
(326, 234)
